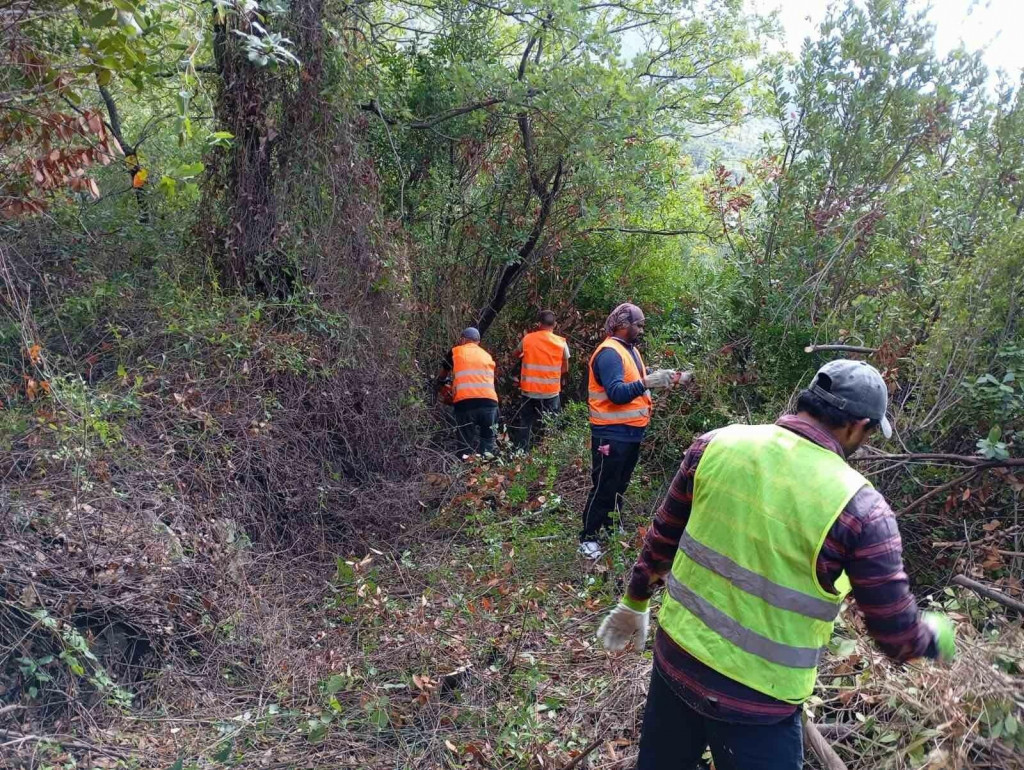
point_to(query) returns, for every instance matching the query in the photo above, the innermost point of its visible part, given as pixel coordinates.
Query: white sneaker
(591, 550)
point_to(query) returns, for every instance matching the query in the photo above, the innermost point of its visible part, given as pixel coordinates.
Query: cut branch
(990, 593)
(582, 755)
(928, 457)
(14, 739)
(825, 753)
(842, 348)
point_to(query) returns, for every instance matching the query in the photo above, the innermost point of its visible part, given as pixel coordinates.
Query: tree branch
(844, 348)
(939, 490)
(115, 121)
(989, 593)
(13, 739)
(980, 463)
(582, 755)
(454, 113)
(374, 107)
(202, 68)
(648, 231)
(825, 753)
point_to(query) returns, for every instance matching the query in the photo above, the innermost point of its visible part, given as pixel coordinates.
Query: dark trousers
(610, 474)
(675, 736)
(531, 411)
(476, 426)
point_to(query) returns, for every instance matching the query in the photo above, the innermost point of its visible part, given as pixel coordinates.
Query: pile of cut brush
(967, 715)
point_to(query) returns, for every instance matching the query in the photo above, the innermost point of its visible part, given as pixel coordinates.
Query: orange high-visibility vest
(602, 411)
(472, 373)
(541, 374)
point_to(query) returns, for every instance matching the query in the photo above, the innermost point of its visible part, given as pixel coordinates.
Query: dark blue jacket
(608, 373)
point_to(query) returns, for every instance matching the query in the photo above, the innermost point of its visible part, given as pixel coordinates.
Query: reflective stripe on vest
(541, 373)
(602, 410)
(758, 585)
(472, 373)
(743, 595)
(744, 638)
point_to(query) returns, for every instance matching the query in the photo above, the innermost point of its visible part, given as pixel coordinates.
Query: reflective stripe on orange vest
(541, 374)
(472, 373)
(602, 411)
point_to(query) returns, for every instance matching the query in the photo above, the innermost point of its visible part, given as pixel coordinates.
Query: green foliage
(75, 654)
(999, 398)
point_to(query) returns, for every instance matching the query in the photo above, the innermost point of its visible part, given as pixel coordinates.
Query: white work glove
(624, 625)
(660, 378)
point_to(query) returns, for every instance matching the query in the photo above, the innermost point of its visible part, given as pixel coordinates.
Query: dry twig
(990, 593)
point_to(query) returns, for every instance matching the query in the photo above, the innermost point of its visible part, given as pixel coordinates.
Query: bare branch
(990, 593)
(843, 348)
(648, 231)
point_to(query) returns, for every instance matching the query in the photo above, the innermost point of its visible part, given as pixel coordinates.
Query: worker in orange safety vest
(469, 373)
(619, 396)
(545, 363)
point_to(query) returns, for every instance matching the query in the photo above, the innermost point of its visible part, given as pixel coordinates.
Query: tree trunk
(245, 243)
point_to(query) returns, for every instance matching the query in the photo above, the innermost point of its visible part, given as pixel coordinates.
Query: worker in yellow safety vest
(468, 373)
(764, 531)
(545, 363)
(619, 396)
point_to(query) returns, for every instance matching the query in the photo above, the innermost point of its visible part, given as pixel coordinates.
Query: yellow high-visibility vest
(743, 595)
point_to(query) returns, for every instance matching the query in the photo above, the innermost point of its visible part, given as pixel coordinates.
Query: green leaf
(845, 648)
(103, 77)
(317, 730)
(179, 765)
(995, 433)
(189, 170)
(223, 752)
(335, 683)
(103, 18)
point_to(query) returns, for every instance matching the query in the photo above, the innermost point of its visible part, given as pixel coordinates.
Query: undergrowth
(471, 644)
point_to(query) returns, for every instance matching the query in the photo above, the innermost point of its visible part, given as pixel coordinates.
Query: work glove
(683, 378)
(944, 633)
(624, 625)
(661, 378)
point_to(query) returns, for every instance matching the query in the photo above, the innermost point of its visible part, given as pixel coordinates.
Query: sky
(995, 25)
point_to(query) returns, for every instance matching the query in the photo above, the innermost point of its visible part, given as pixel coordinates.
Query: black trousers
(675, 736)
(531, 412)
(476, 426)
(612, 467)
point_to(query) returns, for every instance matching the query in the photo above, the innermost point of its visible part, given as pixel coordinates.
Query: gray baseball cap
(471, 333)
(856, 387)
